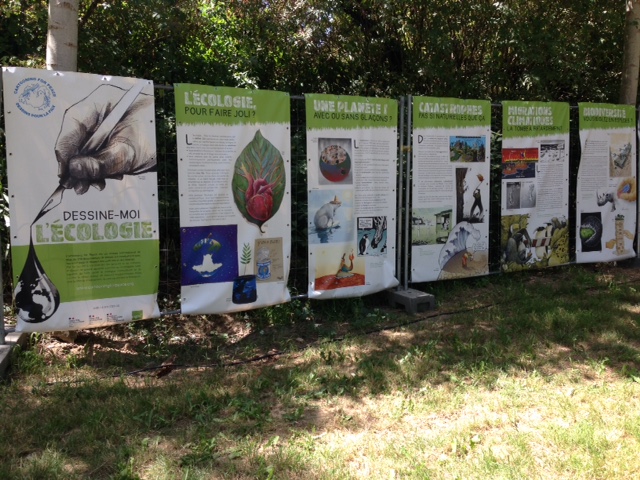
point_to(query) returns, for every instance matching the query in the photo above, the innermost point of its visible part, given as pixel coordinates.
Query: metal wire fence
(168, 196)
(169, 288)
(298, 279)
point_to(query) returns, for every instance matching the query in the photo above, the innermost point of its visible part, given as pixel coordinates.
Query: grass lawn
(533, 375)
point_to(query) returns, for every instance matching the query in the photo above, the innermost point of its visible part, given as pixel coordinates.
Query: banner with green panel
(535, 185)
(351, 177)
(606, 193)
(83, 186)
(234, 179)
(450, 188)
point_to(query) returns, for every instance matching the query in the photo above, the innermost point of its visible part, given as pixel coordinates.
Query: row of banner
(81, 159)
(449, 216)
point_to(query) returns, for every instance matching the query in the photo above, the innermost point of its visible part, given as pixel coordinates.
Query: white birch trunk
(631, 55)
(62, 55)
(62, 35)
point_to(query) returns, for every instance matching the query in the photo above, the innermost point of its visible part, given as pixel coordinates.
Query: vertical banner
(450, 188)
(352, 152)
(607, 185)
(234, 179)
(535, 185)
(81, 161)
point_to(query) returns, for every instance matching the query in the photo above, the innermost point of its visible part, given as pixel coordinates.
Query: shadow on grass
(311, 356)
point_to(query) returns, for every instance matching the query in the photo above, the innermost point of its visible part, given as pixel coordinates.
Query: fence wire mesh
(169, 288)
(168, 195)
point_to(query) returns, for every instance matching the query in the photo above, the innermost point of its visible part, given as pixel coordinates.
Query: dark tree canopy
(516, 49)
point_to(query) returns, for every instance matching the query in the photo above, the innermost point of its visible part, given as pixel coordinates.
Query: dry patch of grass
(507, 379)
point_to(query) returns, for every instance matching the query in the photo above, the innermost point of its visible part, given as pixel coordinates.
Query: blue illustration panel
(209, 254)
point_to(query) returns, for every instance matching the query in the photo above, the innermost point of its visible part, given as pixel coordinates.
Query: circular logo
(35, 97)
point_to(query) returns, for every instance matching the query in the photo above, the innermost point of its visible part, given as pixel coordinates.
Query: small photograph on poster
(469, 196)
(372, 236)
(529, 154)
(552, 151)
(209, 254)
(259, 181)
(620, 238)
(513, 195)
(527, 194)
(542, 241)
(444, 224)
(517, 250)
(335, 161)
(338, 267)
(245, 288)
(519, 162)
(591, 231)
(423, 226)
(467, 149)
(620, 154)
(331, 217)
(269, 266)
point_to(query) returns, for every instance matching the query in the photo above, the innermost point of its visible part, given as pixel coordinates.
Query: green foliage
(295, 311)
(484, 49)
(246, 254)
(23, 33)
(5, 241)
(28, 361)
(203, 451)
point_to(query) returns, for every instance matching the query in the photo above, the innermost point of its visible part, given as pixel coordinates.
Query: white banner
(235, 202)
(352, 165)
(450, 188)
(81, 159)
(535, 185)
(607, 185)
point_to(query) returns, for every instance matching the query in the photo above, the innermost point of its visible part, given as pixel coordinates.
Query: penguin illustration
(363, 246)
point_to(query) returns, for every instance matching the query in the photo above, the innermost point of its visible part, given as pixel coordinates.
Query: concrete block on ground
(11, 340)
(413, 301)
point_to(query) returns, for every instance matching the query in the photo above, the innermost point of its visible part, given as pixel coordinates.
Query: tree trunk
(631, 55)
(62, 35)
(62, 55)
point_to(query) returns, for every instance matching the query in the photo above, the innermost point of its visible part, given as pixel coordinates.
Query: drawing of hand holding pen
(100, 138)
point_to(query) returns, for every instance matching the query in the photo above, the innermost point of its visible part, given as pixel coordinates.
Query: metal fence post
(400, 186)
(414, 301)
(2, 332)
(407, 200)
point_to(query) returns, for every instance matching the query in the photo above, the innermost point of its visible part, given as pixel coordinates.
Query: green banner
(434, 112)
(534, 119)
(96, 270)
(606, 116)
(346, 112)
(207, 105)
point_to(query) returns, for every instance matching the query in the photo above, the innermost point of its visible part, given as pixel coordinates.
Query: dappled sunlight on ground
(527, 375)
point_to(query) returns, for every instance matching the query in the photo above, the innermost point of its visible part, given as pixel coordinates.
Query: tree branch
(87, 14)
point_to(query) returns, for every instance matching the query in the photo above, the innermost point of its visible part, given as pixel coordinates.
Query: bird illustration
(363, 246)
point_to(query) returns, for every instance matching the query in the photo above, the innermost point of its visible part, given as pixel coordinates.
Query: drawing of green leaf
(259, 181)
